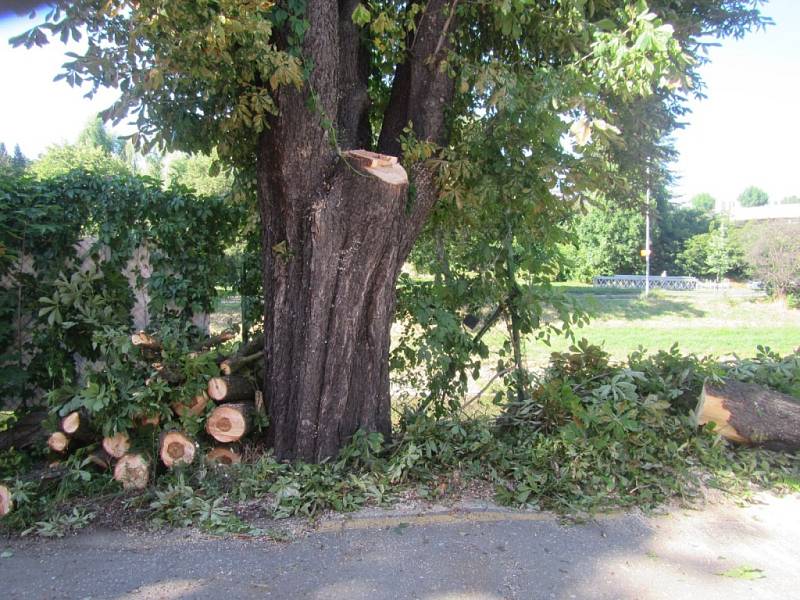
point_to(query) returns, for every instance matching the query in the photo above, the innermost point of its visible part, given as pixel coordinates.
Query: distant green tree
(773, 254)
(674, 227)
(96, 151)
(753, 196)
(96, 135)
(605, 241)
(720, 256)
(194, 171)
(791, 200)
(19, 161)
(5, 159)
(713, 254)
(704, 202)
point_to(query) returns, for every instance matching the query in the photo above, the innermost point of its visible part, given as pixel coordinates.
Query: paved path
(466, 554)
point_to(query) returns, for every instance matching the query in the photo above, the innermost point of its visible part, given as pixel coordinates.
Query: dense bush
(55, 294)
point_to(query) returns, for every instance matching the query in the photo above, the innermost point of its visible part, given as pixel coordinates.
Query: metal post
(647, 236)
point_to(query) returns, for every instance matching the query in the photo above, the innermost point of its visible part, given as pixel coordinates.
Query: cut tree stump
(176, 448)
(76, 426)
(230, 422)
(58, 442)
(6, 504)
(196, 406)
(117, 445)
(751, 414)
(231, 388)
(223, 455)
(132, 471)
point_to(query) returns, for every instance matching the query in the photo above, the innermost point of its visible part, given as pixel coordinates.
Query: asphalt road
(469, 554)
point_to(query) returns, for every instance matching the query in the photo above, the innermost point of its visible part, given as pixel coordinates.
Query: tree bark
(336, 232)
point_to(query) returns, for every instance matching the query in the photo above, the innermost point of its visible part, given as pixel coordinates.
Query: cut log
(145, 340)
(235, 364)
(176, 448)
(6, 504)
(148, 420)
(230, 422)
(117, 445)
(251, 347)
(223, 455)
(751, 414)
(132, 471)
(196, 406)
(76, 426)
(170, 375)
(231, 388)
(58, 442)
(26, 432)
(101, 459)
(215, 340)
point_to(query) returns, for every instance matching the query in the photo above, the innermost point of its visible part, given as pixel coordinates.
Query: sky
(744, 133)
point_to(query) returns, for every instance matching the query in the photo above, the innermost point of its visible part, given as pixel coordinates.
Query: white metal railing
(638, 281)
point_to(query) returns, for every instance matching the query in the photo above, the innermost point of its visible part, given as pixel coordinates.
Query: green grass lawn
(703, 322)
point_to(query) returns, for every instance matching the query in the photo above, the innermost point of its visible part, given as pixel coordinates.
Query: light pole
(647, 236)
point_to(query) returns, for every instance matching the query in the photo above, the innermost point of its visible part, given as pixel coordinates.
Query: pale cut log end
(217, 388)
(145, 340)
(176, 448)
(58, 442)
(711, 409)
(132, 471)
(229, 422)
(384, 167)
(71, 423)
(196, 406)
(223, 456)
(117, 445)
(6, 504)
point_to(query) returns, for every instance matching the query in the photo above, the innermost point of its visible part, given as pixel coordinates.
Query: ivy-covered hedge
(66, 246)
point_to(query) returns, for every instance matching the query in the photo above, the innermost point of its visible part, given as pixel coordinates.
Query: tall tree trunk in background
(335, 234)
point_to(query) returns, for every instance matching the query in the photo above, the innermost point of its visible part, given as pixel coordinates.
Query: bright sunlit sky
(744, 133)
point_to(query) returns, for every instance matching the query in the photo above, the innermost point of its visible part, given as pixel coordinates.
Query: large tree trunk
(336, 233)
(329, 313)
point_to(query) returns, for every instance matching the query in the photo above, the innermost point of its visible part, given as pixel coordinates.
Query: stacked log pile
(224, 411)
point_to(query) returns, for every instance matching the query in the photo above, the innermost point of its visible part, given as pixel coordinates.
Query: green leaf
(361, 15)
(744, 572)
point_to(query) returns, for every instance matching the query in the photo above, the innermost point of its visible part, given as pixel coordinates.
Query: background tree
(791, 200)
(773, 254)
(606, 241)
(284, 90)
(753, 196)
(96, 151)
(704, 202)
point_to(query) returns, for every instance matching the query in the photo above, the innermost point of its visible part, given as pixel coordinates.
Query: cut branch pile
(225, 411)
